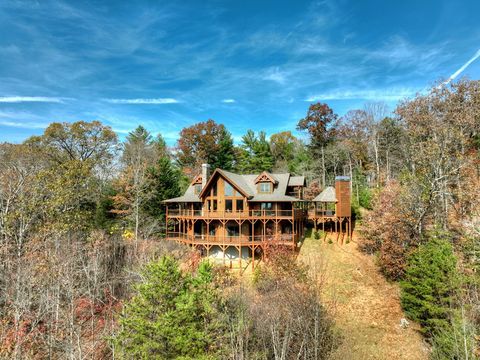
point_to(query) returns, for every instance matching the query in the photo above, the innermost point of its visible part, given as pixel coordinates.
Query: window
(215, 189)
(214, 205)
(198, 189)
(228, 189)
(228, 205)
(239, 204)
(265, 187)
(266, 206)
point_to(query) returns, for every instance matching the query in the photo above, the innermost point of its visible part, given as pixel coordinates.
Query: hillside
(365, 306)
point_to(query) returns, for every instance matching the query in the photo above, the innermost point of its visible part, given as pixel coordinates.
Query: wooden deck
(237, 215)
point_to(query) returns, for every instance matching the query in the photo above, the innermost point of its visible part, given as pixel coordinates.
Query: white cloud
(275, 75)
(463, 67)
(394, 94)
(228, 101)
(19, 99)
(23, 125)
(156, 101)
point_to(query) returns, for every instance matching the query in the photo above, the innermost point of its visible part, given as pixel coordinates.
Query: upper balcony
(236, 215)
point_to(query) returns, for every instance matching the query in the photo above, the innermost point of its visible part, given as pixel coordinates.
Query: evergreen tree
(163, 182)
(255, 154)
(173, 315)
(430, 284)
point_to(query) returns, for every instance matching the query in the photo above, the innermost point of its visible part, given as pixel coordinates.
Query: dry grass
(366, 308)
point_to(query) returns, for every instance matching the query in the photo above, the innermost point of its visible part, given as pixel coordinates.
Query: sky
(247, 64)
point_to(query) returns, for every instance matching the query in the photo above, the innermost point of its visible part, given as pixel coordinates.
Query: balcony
(250, 214)
(245, 240)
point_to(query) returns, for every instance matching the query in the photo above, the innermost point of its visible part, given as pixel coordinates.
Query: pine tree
(163, 182)
(430, 284)
(255, 154)
(173, 315)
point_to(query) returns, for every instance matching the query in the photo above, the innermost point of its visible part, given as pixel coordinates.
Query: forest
(85, 272)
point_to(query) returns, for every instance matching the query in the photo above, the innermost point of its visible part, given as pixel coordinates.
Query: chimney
(342, 193)
(205, 174)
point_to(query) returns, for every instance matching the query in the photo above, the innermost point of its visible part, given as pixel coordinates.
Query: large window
(265, 187)
(228, 205)
(228, 189)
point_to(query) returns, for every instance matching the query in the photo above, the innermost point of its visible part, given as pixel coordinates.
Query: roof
(327, 195)
(189, 196)
(246, 184)
(296, 181)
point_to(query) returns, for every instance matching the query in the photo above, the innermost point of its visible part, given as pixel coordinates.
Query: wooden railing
(234, 240)
(265, 213)
(321, 213)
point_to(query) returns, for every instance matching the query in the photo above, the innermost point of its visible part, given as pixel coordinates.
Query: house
(232, 216)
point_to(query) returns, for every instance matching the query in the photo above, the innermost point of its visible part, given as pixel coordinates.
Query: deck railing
(265, 213)
(321, 213)
(234, 240)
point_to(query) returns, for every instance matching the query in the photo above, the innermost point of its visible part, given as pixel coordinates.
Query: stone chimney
(205, 174)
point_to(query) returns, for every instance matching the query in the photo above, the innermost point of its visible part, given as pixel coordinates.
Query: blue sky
(247, 64)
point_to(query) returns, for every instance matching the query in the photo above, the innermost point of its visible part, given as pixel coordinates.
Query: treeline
(81, 213)
(425, 224)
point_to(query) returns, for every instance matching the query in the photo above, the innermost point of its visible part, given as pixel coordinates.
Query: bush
(317, 235)
(430, 285)
(389, 231)
(281, 317)
(455, 342)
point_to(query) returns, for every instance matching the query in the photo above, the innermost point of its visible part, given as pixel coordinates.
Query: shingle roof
(327, 195)
(296, 181)
(189, 196)
(246, 183)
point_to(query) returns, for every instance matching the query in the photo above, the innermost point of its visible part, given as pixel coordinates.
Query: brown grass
(366, 308)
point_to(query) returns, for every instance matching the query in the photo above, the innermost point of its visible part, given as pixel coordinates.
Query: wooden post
(253, 257)
(240, 258)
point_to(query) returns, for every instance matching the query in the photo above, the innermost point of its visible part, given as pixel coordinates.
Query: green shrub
(317, 235)
(430, 285)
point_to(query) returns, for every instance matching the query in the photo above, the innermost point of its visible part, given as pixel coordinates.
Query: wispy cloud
(463, 67)
(275, 75)
(156, 101)
(394, 94)
(228, 101)
(19, 99)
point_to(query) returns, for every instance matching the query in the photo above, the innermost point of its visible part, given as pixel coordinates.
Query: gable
(213, 180)
(265, 177)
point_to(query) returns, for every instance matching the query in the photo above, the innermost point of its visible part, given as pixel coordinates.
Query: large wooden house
(234, 216)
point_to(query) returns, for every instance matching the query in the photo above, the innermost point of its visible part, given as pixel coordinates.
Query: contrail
(462, 69)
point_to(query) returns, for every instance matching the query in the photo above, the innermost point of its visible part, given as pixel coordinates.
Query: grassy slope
(364, 305)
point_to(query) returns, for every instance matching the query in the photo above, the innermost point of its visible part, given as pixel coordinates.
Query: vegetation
(81, 213)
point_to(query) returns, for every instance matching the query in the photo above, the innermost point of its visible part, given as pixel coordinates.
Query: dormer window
(265, 187)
